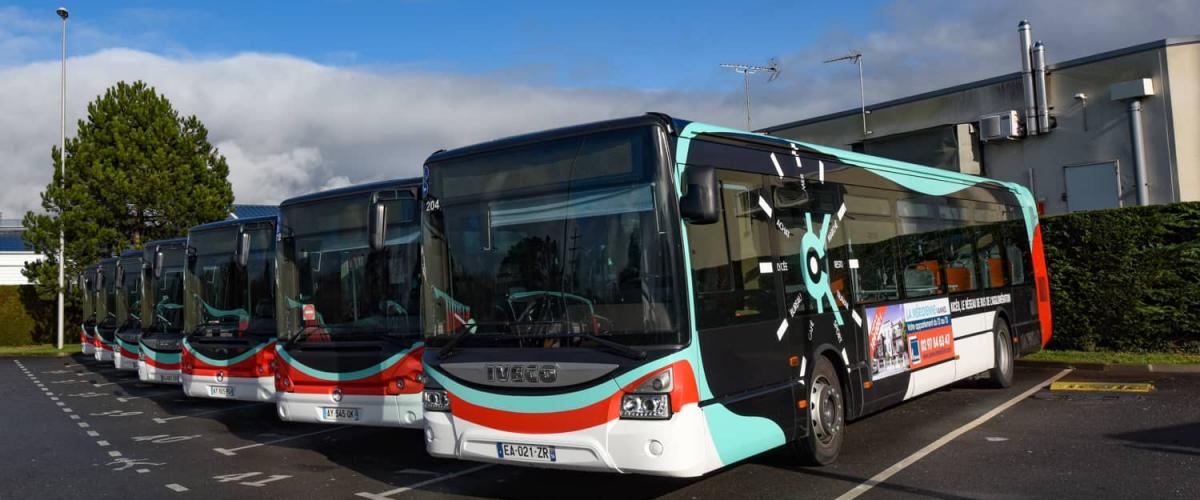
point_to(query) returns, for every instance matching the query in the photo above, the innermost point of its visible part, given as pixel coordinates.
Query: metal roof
(1157, 44)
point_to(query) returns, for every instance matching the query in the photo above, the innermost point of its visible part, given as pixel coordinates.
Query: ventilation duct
(1039, 88)
(1026, 37)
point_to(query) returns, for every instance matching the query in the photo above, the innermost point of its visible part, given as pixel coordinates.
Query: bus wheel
(1001, 375)
(827, 416)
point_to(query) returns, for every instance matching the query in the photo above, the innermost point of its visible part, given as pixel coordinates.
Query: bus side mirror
(377, 225)
(700, 205)
(243, 249)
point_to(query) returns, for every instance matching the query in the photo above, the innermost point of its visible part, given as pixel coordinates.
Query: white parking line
(427, 482)
(942, 441)
(102, 443)
(150, 395)
(114, 453)
(163, 420)
(233, 451)
(177, 488)
(93, 433)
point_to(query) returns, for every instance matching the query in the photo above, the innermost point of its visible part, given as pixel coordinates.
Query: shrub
(26, 319)
(1125, 279)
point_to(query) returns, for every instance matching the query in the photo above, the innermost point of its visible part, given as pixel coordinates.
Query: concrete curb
(1112, 367)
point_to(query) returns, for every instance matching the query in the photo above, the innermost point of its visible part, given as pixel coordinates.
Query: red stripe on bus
(406, 368)
(1042, 282)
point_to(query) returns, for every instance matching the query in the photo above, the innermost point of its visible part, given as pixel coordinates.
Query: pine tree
(137, 171)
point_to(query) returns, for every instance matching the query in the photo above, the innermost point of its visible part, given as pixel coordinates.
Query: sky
(302, 96)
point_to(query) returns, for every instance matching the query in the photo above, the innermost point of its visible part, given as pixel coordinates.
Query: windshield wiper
(466, 330)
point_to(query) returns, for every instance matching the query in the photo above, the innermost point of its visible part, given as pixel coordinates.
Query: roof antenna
(855, 57)
(746, 70)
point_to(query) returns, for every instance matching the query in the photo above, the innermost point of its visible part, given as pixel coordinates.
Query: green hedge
(1125, 279)
(26, 319)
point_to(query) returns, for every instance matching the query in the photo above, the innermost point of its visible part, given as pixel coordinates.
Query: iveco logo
(220, 376)
(522, 373)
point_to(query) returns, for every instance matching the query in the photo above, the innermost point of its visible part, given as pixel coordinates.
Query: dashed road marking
(177, 488)
(114, 453)
(143, 471)
(74, 416)
(84, 425)
(233, 451)
(93, 433)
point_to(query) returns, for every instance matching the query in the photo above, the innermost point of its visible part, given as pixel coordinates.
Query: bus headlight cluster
(650, 399)
(655, 406)
(435, 400)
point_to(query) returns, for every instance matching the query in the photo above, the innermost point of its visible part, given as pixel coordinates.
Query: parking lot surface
(73, 428)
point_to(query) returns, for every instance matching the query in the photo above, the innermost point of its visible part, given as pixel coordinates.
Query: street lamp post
(62, 160)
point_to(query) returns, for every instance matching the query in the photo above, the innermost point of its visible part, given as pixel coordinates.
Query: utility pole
(746, 70)
(62, 160)
(855, 57)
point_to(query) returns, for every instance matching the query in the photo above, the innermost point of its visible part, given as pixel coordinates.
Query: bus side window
(991, 264)
(960, 259)
(728, 257)
(871, 230)
(1017, 248)
(793, 200)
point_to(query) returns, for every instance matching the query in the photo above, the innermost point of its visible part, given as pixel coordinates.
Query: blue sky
(645, 45)
(301, 96)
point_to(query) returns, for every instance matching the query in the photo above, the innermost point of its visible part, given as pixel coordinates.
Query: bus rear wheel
(1001, 374)
(827, 416)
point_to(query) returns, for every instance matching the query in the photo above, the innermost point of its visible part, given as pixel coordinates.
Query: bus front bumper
(402, 410)
(235, 388)
(103, 352)
(87, 348)
(155, 375)
(678, 447)
(124, 359)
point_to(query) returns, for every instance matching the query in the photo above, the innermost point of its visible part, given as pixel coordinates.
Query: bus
(162, 311)
(129, 310)
(349, 349)
(87, 334)
(106, 310)
(653, 295)
(228, 351)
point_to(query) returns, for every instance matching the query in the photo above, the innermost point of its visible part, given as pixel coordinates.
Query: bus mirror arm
(700, 205)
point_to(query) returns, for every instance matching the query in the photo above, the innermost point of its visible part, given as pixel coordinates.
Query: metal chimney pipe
(1026, 37)
(1039, 87)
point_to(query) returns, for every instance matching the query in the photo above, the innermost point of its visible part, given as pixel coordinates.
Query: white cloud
(290, 126)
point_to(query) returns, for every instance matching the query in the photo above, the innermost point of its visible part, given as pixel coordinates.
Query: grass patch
(36, 350)
(1136, 358)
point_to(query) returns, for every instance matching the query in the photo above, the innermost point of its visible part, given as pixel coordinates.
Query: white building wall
(11, 264)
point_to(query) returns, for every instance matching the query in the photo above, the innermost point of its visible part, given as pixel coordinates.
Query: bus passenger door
(817, 286)
(737, 308)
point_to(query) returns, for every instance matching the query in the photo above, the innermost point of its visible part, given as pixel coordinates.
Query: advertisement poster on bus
(930, 335)
(887, 339)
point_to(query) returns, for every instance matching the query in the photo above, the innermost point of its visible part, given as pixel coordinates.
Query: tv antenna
(746, 70)
(855, 58)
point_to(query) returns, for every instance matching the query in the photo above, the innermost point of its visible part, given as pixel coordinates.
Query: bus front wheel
(1001, 374)
(827, 416)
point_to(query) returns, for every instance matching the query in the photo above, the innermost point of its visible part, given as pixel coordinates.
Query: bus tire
(826, 416)
(1001, 374)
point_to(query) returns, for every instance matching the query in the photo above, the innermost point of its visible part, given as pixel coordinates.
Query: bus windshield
(108, 274)
(130, 294)
(228, 299)
(329, 270)
(549, 241)
(166, 293)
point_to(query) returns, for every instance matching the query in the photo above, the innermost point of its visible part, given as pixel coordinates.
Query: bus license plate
(339, 414)
(169, 378)
(220, 391)
(525, 452)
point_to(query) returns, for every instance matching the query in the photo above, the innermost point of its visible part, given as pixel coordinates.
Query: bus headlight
(647, 406)
(435, 400)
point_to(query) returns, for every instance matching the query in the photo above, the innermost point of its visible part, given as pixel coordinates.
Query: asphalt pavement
(75, 428)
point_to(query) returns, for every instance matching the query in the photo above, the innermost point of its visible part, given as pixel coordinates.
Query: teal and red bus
(349, 349)
(106, 309)
(228, 351)
(162, 312)
(659, 296)
(127, 338)
(87, 328)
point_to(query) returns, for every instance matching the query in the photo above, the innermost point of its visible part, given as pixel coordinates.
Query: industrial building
(1119, 128)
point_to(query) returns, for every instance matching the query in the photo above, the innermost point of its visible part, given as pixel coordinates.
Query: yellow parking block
(1101, 387)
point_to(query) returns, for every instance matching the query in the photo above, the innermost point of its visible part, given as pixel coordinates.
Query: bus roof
(131, 253)
(351, 190)
(173, 242)
(232, 223)
(557, 133)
